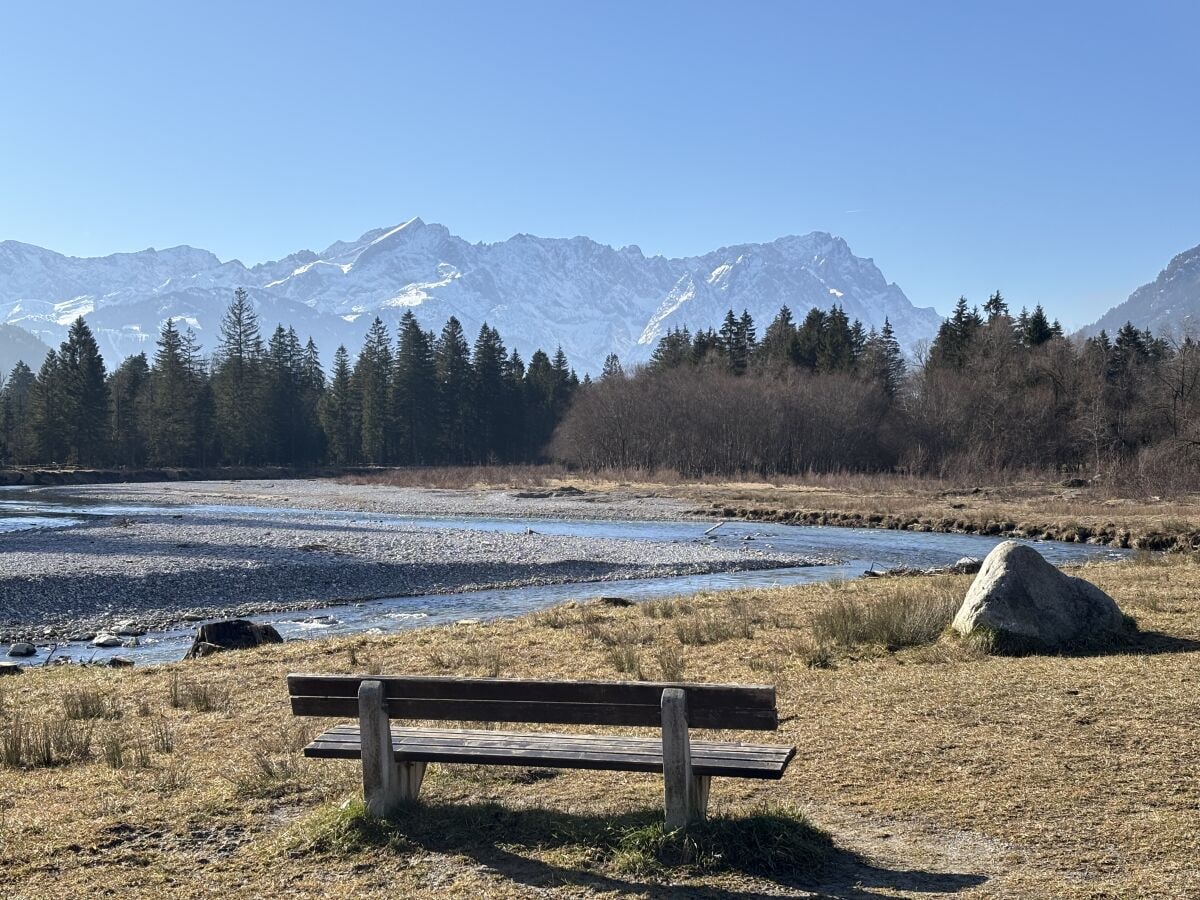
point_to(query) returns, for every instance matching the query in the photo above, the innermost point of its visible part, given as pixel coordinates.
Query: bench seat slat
(709, 758)
(550, 713)
(618, 743)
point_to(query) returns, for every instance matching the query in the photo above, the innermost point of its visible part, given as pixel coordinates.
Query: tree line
(993, 392)
(422, 399)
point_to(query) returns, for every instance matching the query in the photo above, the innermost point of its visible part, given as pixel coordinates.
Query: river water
(854, 549)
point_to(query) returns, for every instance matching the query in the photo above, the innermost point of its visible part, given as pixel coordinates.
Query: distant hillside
(1168, 305)
(18, 344)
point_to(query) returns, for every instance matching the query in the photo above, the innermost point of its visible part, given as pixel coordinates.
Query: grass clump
(626, 659)
(907, 617)
(89, 703)
(774, 841)
(44, 744)
(343, 831)
(196, 696)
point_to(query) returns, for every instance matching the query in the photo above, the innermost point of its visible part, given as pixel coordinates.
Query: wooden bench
(394, 758)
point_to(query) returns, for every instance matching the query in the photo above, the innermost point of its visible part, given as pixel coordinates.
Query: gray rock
(232, 634)
(128, 628)
(967, 565)
(7, 668)
(120, 662)
(22, 648)
(1021, 603)
(106, 640)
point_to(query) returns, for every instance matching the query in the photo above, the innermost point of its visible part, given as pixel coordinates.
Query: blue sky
(1048, 149)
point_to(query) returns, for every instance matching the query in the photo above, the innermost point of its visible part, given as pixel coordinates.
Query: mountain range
(1168, 305)
(589, 298)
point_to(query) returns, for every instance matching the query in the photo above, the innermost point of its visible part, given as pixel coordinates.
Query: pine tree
(85, 413)
(884, 359)
(778, 348)
(340, 417)
(372, 381)
(489, 395)
(16, 416)
(175, 398)
(995, 308)
(810, 339)
(452, 369)
(128, 390)
(414, 394)
(674, 349)
(238, 386)
(1035, 329)
(612, 368)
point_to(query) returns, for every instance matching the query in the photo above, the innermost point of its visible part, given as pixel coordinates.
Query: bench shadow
(506, 840)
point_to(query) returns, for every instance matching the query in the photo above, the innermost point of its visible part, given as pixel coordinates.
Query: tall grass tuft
(909, 616)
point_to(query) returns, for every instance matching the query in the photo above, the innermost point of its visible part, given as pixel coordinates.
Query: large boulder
(232, 634)
(1021, 603)
(22, 648)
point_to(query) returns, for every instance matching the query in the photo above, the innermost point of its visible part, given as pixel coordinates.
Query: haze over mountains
(1168, 305)
(589, 298)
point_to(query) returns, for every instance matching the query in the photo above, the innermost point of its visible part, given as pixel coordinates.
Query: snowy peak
(589, 298)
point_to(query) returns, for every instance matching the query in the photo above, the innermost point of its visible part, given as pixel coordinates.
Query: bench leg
(698, 804)
(684, 799)
(382, 787)
(409, 775)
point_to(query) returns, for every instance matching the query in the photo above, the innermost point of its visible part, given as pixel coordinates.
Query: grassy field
(935, 771)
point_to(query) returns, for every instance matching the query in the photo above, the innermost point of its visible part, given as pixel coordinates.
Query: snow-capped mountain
(1169, 305)
(589, 298)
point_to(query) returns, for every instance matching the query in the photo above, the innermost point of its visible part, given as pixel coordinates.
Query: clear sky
(1048, 149)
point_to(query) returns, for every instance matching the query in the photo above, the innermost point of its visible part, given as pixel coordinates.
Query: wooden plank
(465, 738)
(677, 759)
(768, 757)
(440, 687)
(534, 711)
(343, 742)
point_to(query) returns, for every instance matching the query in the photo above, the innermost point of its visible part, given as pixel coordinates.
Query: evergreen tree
(452, 370)
(415, 394)
(340, 417)
(996, 307)
(238, 387)
(884, 359)
(372, 381)
(810, 339)
(128, 389)
(175, 401)
(612, 367)
(16, 416)
(1035, 328)
(84, 411)
(489, 395)
(778, 348)
(674, 349)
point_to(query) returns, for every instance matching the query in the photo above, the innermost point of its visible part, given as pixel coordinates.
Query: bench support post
(383, 788)
(685, 795)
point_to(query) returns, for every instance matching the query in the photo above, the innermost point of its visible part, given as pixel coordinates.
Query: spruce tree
(452, 370)
(414, 394)
(341, 420)
(16, 416)
(85, 412)
(778, 347)
(175, 395)
(612, 367)
(372, 381)
(238, 386)
(129, 388)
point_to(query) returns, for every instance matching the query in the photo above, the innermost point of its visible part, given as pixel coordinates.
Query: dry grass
(938, 772)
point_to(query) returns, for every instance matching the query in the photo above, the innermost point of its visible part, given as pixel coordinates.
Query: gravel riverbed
(168, 566)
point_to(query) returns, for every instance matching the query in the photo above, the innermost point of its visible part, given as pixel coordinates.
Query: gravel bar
(164, 568)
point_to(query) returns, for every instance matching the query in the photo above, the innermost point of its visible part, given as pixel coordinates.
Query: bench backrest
(734, 706)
